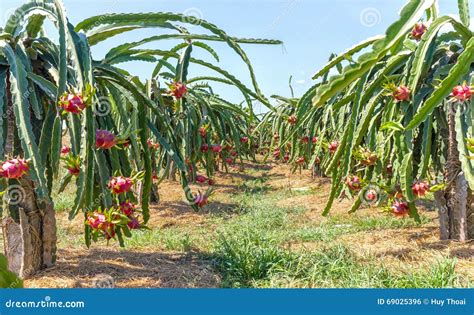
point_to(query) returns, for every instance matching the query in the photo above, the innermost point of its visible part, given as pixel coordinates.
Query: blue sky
(310, 29)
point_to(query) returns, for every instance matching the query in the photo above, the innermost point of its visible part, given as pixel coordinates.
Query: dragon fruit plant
(49, 91)
(402, 114)
(208, 133)
(52, 90)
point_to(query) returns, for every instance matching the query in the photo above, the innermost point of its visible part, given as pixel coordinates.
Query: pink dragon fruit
(201, 179)
(216, 148)
(72, 103)
(276, 153)
(292, 120)
(178, 90)
(65, 149)
(108, 230)
(127, 208)
(200, 200)
(401, 93)
(353, 183)
(462, 93)
(420, 188)
(152, 145)
(14, 168)
(399, 208)
(133, 224)
(120, 184)
(204, 148)
(203, 132)
(418, 30)
(332, 147)
(244, 140)
(96, 220)
(104, 139)
(371, 195)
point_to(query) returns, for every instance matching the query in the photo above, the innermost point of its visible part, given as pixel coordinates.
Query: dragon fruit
(200, 200)
(401, 93)
(332, 147)
(371, 195)
(276, 153)
(353, 183)
(96, 220)
(420, 188)
(127, 208)
(120, 184)
(65, 149)
(72, 164)
(104, 139)
(204, 148)
(462, 93)
(72, 103)
(292, 120)
(152, 145)
(399, 208)
(418, 30)
(201, 179)
(300, 160)
(14, 168)
(108, 230)
(203, 132)
(133, 224)
(178, 90)
(244, 140)
(216, 148)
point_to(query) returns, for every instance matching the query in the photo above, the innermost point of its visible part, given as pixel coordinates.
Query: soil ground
(177, 252)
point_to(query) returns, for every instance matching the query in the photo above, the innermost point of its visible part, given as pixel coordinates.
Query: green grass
(253, 258)
(255, 186)
(259, 244)
(173, 239)
(252, 250)
(63, 201)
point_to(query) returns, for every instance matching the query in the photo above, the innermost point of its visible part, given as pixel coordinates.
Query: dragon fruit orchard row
(124, 215)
